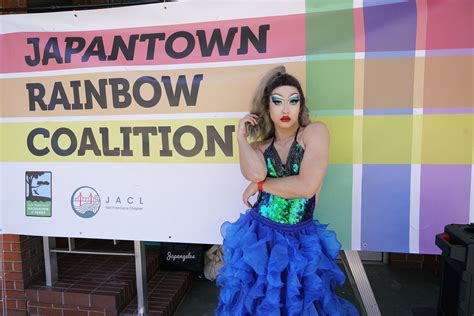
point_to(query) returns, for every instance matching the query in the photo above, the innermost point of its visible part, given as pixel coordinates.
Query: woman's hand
(251, 189)
(242, 131)
(252, 162)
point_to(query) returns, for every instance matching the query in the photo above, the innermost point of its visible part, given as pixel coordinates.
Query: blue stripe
(450, 52)
(385, 214)
(390, 54)
(371, 3)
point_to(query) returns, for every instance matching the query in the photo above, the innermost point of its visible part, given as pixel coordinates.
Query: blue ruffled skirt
(280, 269)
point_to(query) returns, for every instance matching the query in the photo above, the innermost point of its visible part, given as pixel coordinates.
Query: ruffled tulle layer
(279, 269)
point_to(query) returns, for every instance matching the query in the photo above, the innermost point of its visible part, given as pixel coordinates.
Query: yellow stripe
(15, 149)
(393, 139)
(447, 139)
(341, 138)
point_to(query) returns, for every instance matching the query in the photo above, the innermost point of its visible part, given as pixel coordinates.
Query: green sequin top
(285, 211)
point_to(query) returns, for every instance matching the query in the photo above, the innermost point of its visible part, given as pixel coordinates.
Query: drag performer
(278, 259)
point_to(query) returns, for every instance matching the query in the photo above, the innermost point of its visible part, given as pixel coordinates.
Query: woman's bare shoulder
(315, 131)
(317, 126)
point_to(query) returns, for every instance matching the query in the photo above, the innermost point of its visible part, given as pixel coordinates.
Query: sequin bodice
(285, 211)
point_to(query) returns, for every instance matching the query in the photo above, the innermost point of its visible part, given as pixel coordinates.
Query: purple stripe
(448, 111)
(450, 52)
(385, 213)
(390, 28)
(388, 111)
(444, 199)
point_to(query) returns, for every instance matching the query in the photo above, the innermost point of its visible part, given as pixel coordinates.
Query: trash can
(456, 295)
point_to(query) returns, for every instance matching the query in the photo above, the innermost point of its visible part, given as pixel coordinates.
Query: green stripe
(330, 55)
(335, 203)
(328, 5)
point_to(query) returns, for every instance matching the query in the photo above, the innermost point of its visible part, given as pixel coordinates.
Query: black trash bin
(456, 295)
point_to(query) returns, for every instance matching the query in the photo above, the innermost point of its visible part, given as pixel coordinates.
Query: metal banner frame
(359, 282)
(351, 261)
(51, 266)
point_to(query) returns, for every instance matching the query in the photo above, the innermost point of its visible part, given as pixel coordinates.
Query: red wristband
(260, 185)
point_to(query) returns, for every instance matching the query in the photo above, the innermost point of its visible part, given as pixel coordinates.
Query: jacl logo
(85, 202)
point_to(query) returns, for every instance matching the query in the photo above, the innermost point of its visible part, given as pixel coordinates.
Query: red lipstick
(285, 118)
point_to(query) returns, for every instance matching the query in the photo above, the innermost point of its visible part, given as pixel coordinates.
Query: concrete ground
(399, 292)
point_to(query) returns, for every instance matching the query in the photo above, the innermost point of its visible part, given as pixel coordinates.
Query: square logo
(38, 193)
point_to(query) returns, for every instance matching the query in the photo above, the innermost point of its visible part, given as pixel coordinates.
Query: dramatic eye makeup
(294, 99)
(277, 99)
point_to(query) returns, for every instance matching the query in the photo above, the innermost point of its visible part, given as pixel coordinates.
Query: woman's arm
(312, 170)
(252, 163)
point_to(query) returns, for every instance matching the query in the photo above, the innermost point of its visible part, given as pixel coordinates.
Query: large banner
(120, 123)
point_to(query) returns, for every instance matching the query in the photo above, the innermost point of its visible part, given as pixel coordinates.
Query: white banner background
(181, 202)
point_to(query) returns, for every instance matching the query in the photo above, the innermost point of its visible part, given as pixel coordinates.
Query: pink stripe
(285, 38)
(449, 24)
(422, 20)
(359, 30)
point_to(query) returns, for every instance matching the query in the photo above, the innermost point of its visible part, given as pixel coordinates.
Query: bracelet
(260, 185)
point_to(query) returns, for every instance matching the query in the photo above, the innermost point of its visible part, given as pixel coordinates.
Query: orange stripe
(227, 89)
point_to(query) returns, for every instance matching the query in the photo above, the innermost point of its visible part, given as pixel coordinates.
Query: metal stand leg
(140, 269)
(360, 283)
(50, 260)
(71, 244)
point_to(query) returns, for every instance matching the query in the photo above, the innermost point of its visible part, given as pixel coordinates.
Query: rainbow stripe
(393, 80)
